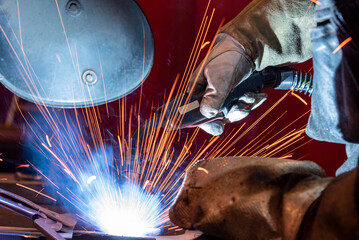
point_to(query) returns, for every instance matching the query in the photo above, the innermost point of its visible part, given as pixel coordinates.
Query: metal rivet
(89, 77)
(73, 7)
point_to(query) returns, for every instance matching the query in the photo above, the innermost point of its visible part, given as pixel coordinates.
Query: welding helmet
(74, 53)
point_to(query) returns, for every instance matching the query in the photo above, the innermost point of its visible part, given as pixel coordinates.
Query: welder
(239, 198)
(255, 198)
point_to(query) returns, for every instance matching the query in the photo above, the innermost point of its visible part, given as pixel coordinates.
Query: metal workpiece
(25, 233)
(49, 223)
(57, 226)
(62, 226)
(74, 53)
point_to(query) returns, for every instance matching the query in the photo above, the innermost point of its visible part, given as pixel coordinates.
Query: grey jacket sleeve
(274, 32)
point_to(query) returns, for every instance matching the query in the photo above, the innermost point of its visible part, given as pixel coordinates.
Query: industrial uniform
(255, 198)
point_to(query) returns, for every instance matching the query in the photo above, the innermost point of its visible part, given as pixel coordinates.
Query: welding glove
(226, 66)
(265, 33)
(239, 111)
(267, 198)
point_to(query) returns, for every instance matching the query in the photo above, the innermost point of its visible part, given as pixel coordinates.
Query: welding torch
(187, 109)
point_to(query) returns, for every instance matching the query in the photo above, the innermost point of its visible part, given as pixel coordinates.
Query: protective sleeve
(248, 197)
(335, 214)
(274, 32)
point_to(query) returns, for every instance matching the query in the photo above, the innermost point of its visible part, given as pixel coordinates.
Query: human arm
(265, 33)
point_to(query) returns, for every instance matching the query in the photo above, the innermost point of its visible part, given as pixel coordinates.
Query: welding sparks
(23, 166)
(316, 2)
(145, 185)
(205, 44)
(300, 98)
(130, 212)
(38, 192)
(94, 174)
(125, 192)
(102, 186)
(48, 141)
(342, 44)
(58, 58)
(203, 170)
(91, 179)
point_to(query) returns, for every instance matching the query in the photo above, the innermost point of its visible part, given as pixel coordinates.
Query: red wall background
(175, 24)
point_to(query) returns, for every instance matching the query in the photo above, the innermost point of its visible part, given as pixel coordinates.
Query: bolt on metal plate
(89, 77)
(73, 7)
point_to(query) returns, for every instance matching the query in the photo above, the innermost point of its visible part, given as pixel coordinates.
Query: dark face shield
(74, 53)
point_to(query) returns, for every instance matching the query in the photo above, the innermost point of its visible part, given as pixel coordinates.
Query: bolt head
(89, 77)
(73, 7)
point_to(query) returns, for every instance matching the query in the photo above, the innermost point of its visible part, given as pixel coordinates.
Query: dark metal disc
(74, 53)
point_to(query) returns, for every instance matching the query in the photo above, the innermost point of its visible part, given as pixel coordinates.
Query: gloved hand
(226, 66)
(248, 198)
(265, 33)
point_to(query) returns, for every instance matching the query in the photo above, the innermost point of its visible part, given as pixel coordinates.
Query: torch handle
(271, 77)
